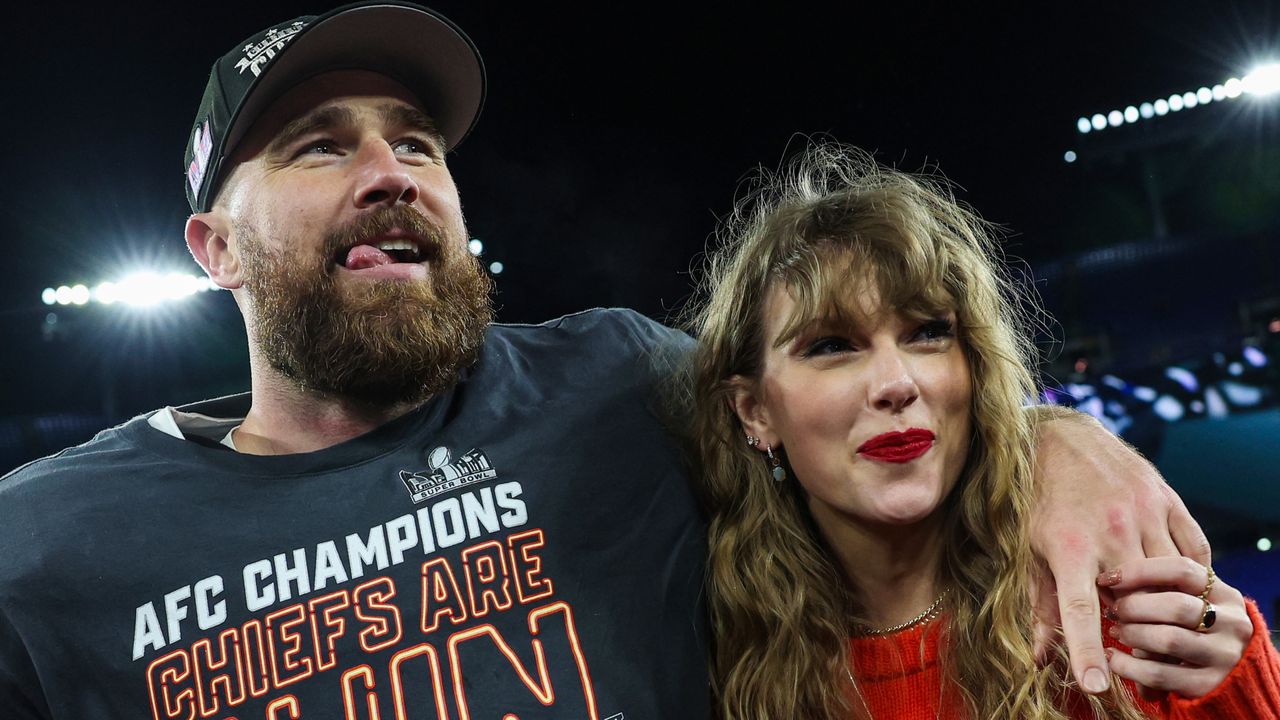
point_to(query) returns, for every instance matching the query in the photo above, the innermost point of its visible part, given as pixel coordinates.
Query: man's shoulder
(107, 449)
(599, 348)
(598, 329)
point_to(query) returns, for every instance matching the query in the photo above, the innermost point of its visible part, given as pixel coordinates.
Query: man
(414, 513)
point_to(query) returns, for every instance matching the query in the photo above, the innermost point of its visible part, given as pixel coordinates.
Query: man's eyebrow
(319, 120)
(397, 115)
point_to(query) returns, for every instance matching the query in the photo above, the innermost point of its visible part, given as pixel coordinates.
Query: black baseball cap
(411, 44)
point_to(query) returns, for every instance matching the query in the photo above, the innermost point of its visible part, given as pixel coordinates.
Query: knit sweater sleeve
(1251, 691)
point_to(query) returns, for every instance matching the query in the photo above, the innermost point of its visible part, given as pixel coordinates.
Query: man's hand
(1100, 504)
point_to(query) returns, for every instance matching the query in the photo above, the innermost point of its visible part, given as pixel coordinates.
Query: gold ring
(1208, 616)
(1208, 584)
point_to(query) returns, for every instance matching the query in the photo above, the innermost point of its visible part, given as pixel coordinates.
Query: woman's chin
(907, 512)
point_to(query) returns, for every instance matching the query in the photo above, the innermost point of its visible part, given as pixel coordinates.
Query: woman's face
(873, 412)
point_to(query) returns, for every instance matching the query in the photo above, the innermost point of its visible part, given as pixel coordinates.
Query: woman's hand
(1159, 611)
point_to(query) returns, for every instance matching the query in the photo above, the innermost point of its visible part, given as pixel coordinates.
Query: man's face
(349, 231)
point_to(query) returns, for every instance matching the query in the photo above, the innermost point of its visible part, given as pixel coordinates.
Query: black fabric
(550, 568)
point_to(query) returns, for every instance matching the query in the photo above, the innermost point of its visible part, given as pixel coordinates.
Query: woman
(866, 459)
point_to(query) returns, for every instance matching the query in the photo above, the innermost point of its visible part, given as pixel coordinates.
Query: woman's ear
(747, 402)
(208, 236)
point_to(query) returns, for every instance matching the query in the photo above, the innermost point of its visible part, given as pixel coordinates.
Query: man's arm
(1100, 504)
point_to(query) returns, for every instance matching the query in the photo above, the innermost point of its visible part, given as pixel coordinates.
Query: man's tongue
(366, 256)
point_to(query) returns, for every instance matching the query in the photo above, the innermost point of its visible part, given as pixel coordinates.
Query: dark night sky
(613, 136)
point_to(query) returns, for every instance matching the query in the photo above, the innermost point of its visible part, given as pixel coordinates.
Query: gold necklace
(928, 615)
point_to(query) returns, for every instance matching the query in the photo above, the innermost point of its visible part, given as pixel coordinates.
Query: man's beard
(377, 343)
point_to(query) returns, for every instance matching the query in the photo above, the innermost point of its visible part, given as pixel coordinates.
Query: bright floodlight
(475, 246)
(496, 267)
(146, 289)
(1263, 80)
(1264, 544)
(106, 293)
(1069, 156)
(142, 289)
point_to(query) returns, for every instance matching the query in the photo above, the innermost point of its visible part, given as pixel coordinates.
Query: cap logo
(201, 148)
(256, 56)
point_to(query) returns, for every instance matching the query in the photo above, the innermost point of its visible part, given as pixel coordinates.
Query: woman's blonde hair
(829, 222)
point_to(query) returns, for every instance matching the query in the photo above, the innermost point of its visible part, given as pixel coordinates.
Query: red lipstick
(898, 447)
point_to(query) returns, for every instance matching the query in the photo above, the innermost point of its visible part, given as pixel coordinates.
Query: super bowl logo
(472, 467)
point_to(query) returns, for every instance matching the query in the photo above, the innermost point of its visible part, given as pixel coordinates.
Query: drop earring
(779, 472)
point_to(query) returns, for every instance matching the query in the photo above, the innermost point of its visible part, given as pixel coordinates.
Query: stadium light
(1261, 81)
(142, 289)
(1264, 544)
(475, 246)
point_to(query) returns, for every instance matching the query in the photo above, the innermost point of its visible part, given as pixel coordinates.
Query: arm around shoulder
(1098, 504)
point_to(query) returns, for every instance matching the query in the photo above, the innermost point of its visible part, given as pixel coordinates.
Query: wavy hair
(827, 223)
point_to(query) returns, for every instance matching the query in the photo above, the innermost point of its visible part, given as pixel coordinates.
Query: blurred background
(1130, 150)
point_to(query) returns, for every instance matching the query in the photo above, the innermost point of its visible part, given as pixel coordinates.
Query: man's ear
(208, 236)
(748, 404)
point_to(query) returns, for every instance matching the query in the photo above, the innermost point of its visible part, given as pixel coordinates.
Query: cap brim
(425, 52)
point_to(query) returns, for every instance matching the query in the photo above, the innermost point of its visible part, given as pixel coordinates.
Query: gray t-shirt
(524, 545)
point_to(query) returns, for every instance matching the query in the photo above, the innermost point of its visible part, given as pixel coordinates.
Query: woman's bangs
(833, 286)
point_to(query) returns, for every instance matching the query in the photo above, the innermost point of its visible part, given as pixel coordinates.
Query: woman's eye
(826, 346)
(936, 330)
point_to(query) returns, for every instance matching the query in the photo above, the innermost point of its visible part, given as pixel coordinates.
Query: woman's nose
(893, 388)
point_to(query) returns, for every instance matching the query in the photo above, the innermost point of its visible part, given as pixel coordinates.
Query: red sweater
(900, 679)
